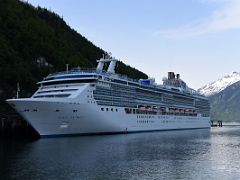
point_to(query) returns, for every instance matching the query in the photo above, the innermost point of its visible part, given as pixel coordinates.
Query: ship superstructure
(95, 101)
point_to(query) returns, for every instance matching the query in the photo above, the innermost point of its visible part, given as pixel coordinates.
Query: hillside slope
(35, 42)
(224, 97)
(225, 104)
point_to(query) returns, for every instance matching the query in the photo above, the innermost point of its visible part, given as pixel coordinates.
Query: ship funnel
(100, 65)
(178, 76)
(171, 75)
(111, 67)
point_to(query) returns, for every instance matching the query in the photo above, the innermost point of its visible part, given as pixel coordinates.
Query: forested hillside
(35, 42)
(225, 104)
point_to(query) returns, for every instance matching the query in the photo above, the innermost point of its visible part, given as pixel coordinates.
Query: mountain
(219, 85)
(35, 42)
(225, 104)
(224, 97)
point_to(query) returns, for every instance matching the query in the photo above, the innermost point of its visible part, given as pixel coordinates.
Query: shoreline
(13, 125)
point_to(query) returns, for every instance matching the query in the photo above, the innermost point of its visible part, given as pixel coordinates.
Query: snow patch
(219, 85)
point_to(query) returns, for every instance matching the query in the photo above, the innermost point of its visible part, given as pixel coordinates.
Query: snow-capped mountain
(225, 104)
(219, 85)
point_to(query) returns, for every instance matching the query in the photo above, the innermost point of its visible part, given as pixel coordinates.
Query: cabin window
(69, 82)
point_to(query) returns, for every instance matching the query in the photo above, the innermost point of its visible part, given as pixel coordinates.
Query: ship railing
(118, 76)
(74, 71)
(93, 70)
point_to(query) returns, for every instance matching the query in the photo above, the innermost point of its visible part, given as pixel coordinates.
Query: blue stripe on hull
(111, 133)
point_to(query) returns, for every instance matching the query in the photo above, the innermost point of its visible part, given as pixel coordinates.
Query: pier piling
(217, 124)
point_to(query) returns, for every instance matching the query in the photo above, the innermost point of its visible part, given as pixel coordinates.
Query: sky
(200, 39)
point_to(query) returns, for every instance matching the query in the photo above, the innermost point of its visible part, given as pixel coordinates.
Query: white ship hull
(52, 118)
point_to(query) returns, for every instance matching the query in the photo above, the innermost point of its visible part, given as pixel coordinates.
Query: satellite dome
(164, 79)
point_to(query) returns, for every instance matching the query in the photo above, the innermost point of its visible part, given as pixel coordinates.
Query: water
(191, 154)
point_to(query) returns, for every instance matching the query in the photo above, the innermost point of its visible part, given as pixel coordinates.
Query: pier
(216, 123)
(13, 125)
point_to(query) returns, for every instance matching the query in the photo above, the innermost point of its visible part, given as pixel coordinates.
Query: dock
(13, 125)
(216, 123)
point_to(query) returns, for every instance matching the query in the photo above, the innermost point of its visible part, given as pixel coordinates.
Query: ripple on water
(192, 154)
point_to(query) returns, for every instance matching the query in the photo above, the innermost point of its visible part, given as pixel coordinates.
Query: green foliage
(28, 34)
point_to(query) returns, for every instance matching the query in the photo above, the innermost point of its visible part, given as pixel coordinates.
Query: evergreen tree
(35, 42)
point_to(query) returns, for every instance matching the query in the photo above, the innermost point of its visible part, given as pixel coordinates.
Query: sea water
(188, 154)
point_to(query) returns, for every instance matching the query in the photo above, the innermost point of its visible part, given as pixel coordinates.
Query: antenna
(18, 89)
(100, 64)
(107, 58)
(67, 67)
(112, 65)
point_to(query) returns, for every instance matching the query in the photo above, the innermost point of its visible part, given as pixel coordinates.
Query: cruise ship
(95, 101)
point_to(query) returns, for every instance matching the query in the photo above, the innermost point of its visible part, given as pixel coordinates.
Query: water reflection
(192, 154)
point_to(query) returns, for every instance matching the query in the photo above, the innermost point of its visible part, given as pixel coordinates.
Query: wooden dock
(216, 123)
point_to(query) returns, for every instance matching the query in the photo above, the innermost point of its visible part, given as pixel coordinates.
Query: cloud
(226, 17)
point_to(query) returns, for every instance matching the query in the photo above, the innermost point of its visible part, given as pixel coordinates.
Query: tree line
(35, 42)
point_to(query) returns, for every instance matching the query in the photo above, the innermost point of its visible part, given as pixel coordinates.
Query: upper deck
(91, 75)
